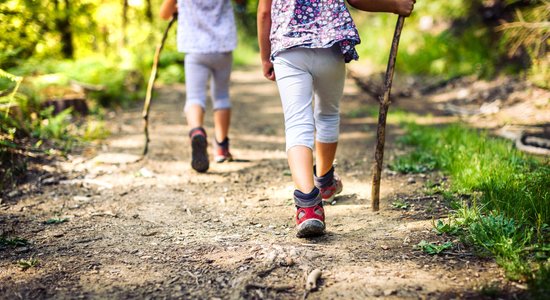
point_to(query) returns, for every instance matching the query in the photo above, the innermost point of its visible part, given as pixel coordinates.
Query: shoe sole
(199, 156)
(311, 228)
(223, 159)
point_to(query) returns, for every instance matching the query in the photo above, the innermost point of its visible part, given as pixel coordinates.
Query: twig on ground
(311, 281)
(194, 276)
(103, 214)
(276, 288)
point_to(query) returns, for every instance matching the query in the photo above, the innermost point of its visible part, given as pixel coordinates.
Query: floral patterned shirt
(313, 24)
(206, 26)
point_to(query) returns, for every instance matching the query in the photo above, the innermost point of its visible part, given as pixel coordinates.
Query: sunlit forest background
(102, 51)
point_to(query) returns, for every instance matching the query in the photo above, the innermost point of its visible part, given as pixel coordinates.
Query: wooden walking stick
(151, 82)
(381, 130)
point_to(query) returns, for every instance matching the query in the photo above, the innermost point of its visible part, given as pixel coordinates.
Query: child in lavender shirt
(207, 34)
(304, 45)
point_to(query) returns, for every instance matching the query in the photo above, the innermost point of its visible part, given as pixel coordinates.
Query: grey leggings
(198, 68)
(304, 75)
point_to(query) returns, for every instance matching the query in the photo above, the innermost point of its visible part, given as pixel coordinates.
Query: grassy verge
(501, 196)
(29, 131)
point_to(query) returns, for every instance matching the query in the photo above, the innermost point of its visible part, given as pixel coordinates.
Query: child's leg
(196, 78)
(328, 81)
(300, 161)
(221, 64)
(295, 84)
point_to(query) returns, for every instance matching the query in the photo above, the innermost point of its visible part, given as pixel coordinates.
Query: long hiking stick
(151, 82)
(384, 105)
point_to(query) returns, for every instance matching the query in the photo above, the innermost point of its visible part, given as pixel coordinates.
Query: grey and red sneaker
(199, 156)
(310, 215)
(221, 151)
(329, 184)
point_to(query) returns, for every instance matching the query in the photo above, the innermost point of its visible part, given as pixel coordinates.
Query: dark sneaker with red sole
(199, 156)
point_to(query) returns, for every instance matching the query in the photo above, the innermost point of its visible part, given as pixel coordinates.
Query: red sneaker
(328, 192)
(310, 221)
(222, 154)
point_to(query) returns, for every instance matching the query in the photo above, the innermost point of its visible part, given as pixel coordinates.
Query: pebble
(50, 181)
(14, 194)
(411, 180)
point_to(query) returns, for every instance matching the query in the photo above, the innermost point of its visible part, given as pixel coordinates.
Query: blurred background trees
(102, 50)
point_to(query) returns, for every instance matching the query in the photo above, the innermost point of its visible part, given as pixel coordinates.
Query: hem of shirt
(310, 46)
(202, 51)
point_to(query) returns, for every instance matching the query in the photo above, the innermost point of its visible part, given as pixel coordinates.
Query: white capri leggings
(304, 75)
(198, 68)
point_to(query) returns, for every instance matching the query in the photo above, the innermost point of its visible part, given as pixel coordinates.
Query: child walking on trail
(207, 35)
(304, 45)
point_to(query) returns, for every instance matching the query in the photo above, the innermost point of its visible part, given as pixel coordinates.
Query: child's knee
(223, 103)
(196, 103)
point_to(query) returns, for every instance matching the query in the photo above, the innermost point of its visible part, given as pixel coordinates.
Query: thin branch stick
(384, 105)
(152, 78)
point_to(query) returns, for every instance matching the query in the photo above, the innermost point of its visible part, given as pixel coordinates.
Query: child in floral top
(304, 46)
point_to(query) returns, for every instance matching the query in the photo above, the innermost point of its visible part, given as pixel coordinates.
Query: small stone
(385, 247)
(13, 194)
(22, 250)
(411, 180)
(81, 198)
(50, 181)
(390, 292)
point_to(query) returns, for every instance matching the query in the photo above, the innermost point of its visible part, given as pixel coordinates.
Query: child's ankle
(197, 130)
(325, 180)
(223, 143)
(307, 200)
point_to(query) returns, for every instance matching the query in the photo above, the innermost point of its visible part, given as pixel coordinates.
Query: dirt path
(156, 229)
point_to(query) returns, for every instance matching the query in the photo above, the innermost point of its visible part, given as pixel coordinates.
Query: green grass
(500, 196)
(25, 264)
(433, 248)
(12, 241)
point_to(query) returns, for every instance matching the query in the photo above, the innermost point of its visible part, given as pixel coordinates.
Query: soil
(126, 227)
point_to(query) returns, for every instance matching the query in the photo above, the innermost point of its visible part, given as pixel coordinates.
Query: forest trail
(154, 228)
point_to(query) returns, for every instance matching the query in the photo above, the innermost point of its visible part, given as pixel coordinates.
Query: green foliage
(504, 239)
(13, 241)
(433, 248)
(415, 162)
(400, 204)
(538, 283)
(448, 228)
(508, 208)
(452, 38)
(508, 181)
(50, 126)
(25, 264)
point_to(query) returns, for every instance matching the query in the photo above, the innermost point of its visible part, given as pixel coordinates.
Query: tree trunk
(124, 22)
(63, 26)
(148, 11)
